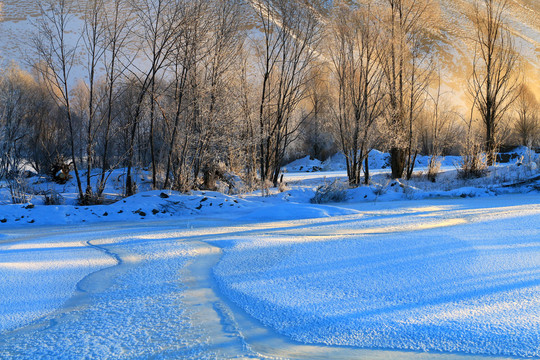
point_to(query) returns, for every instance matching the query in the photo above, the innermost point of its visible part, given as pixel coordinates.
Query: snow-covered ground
(440, 275)
(445, 275)
(377, 160)
(399, 269)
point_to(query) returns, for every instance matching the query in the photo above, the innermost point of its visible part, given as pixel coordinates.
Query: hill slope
(453, 18)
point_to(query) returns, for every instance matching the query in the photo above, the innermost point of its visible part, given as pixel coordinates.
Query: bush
(530, 161)
(59, 170)
(380, 189)
(53, 198)
(266, 185)
(18, 189)
(90, 199)
(434, 168)
(335, 191)
(473, 164)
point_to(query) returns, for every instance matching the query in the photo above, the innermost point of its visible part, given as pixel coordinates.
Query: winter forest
(200, 91)
(270, 179)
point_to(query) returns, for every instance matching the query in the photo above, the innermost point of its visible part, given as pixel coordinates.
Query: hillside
(455, 22)
(451, 16)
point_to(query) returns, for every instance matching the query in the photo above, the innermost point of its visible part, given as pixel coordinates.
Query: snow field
(132, 310)
(38, 276)
(459, 278)
(442, 275)
(457, 271)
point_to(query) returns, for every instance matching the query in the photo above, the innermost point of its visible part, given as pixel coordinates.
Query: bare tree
(184, 56)
(404, 19)
(158, 23)
(46, 138)
(248, 116)
(355, 53)
(527, 125)
(58, 56)
(16, 89)
(222, 55)
(93, 38)
(197, 106)
(440, 131)
(418, 76)
(115, 61)
(494, 81)
(291, 33)
(32, 126)
(316, 137)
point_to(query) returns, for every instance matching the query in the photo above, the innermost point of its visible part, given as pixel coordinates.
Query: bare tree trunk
(356, 58)
(159, 21)
(93, 38)
(404, 20)
(180, 83)
(117, 35)
(366, 171)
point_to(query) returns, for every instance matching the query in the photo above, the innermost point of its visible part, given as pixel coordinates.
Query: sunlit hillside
(523, 20)
(453, 33)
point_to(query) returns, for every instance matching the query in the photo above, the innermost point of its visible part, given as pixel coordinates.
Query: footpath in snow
(136, 306)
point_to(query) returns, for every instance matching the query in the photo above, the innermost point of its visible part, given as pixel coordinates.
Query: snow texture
(131, 310)
(459, 276)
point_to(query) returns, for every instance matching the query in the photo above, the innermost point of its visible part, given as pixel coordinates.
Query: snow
(125, 316)
(450, 276)
(146, 205)
(307, 164)
(39, 275)
(377, 160)
(403, 267)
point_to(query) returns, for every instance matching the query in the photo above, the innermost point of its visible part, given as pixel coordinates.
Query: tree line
(194, 90)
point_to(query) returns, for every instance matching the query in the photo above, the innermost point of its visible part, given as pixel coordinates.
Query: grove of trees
(197, 90)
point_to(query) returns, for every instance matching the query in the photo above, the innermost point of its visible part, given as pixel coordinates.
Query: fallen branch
(523, 182)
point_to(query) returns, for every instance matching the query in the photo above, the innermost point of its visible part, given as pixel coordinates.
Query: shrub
(53, 198)
(434, 168)
(90, 199)
(380, 189)
(530, 162)
(330, 192)
(473, 164)
(59, 170)
(266, 185)
(18, 189)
